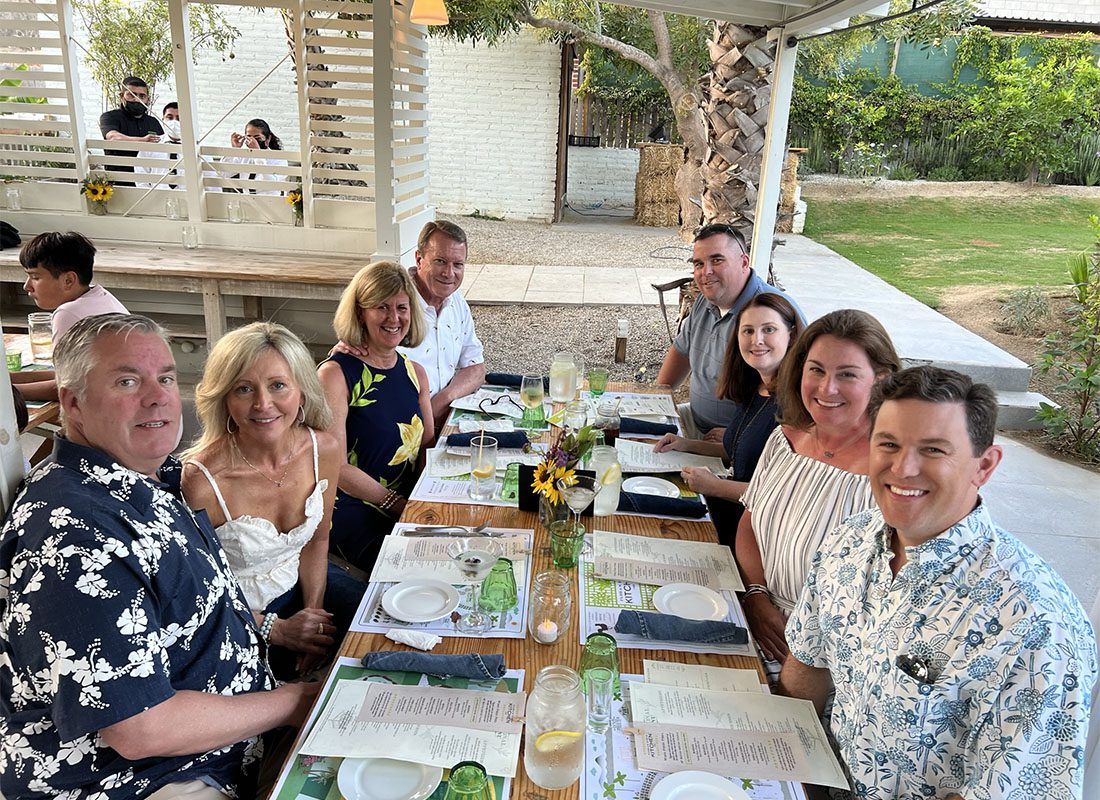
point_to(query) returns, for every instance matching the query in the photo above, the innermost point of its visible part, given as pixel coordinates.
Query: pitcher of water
(553, 752)
(563, 378)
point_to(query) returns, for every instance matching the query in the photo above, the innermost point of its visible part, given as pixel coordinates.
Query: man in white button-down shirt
(451, 353)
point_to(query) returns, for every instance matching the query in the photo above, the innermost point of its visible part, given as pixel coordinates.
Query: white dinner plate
(647, 484)
(690, 601)
(696, 785)
(420, 600)
(386, 779)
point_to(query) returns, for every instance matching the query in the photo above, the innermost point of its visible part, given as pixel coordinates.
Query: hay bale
(655, 201)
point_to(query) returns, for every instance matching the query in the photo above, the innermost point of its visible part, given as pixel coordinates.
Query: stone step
(1002, 377)
(1016, 410)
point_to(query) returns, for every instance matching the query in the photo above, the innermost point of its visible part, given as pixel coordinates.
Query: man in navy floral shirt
(962, 664)
(129, 662)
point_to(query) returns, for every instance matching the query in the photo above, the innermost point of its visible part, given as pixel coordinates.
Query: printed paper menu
(699, 676)
(750, 734)
(640, 457)
(657, 562)
(427, 725)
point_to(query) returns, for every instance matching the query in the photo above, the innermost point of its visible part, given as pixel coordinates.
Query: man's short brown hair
(448, 229)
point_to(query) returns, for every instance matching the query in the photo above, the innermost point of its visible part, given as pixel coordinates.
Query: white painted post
(385, 224)
(72, 87)
(181, 57)
(305, 133)
(775, 150)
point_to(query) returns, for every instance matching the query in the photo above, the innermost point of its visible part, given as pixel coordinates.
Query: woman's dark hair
(738, 381)
(847, 324)
(273, 142)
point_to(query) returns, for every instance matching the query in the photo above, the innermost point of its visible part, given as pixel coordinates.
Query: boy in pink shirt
(59, 279)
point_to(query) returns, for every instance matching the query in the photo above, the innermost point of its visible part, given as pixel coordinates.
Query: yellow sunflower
(293, 197)
(412, 433)
(547, 475)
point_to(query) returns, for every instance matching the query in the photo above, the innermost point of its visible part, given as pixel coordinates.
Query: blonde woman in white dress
(265, 471)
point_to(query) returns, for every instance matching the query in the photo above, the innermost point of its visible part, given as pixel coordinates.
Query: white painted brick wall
(494, 123)
(602, 176)
(494, 112)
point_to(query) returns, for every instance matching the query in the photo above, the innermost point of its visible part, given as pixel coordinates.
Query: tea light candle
(547, 631)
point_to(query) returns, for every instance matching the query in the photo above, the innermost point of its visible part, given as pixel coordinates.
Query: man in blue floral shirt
(130, 666)
(962, 664)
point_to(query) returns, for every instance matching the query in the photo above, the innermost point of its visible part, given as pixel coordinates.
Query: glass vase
(97, 207)
(551, 512)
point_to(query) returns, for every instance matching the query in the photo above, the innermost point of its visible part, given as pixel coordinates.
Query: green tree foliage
(135, 39)
(1074, 359)
(1039, 98)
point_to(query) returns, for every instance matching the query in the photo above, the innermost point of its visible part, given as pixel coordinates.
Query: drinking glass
(600, 650)
(41, 333)
(468, 781)
(532, 394)
(483, 467)
(605, 463)
(579, 494)
(566, 543)
(600, 690)
(15, 198)
(597, 380)
(190, 237)
(499, 591)
(475, 557)
(509, 490)
(173, 208)
(563, 378)
(576, 415)
(578, 366)
(15, 360)
(233, 211)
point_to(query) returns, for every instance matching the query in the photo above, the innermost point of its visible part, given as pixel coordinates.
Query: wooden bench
(214, 273)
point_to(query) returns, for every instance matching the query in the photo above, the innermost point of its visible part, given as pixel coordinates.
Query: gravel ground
(525, 338)
(613, 241)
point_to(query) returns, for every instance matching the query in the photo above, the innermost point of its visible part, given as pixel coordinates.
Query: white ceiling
(800, 16)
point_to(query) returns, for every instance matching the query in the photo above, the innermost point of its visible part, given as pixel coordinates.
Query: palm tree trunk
(736, 96)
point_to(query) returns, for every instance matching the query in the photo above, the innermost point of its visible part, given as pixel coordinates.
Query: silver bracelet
(756, 588)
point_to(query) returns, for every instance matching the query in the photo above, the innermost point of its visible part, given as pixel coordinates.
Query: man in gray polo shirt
(727, 282)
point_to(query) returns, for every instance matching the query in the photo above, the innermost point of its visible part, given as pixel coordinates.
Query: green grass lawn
(925, 246)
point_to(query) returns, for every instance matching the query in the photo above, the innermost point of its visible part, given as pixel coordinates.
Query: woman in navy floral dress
(381, 408)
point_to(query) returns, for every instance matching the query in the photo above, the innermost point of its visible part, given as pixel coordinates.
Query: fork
(452, 530)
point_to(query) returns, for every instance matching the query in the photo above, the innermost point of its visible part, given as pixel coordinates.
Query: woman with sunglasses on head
(382, 412)
(764, 330)
(813, 471)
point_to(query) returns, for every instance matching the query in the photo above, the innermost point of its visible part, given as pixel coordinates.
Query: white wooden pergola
(362, 166)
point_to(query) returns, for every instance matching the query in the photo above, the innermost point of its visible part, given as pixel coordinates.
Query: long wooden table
(527, 653)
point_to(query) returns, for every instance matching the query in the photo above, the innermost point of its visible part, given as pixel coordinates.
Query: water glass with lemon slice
(483, 467)
(553, 753)
(605, 463)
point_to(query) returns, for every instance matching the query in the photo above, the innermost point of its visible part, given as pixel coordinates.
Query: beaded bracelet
(267, 626)
(390, 501)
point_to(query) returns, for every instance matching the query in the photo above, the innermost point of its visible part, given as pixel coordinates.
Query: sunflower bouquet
(98, 190)
(560, 463)
(294, 200)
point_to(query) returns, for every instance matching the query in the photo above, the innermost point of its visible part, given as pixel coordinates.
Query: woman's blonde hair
(236, 352)
(370, 286)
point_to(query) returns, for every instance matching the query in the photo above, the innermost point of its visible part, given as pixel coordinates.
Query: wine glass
(532, 394)
(475, 557)
(579, 494)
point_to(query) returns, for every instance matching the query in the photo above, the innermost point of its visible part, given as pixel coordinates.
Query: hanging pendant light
(429, 12)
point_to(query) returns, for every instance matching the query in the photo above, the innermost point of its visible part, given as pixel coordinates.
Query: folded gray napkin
(670, 628)
(631, 503)
(469, 665)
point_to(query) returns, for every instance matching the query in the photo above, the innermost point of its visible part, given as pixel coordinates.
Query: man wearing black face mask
(131, 122)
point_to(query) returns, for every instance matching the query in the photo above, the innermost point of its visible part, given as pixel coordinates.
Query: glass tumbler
(566, 542)
(14, 197)
(600, 691)
(483, 467)
(173, 208)
(498, 593)
(190, 237)
(509, 491)
(600, 650)
(41, 333)
(233, 211)
(550, 611)
(468, 781)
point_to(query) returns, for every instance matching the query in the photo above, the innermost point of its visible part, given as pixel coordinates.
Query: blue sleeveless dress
(384, 429)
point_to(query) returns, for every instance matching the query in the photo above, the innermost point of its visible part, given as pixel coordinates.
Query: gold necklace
(847, 443)
(278, 483)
